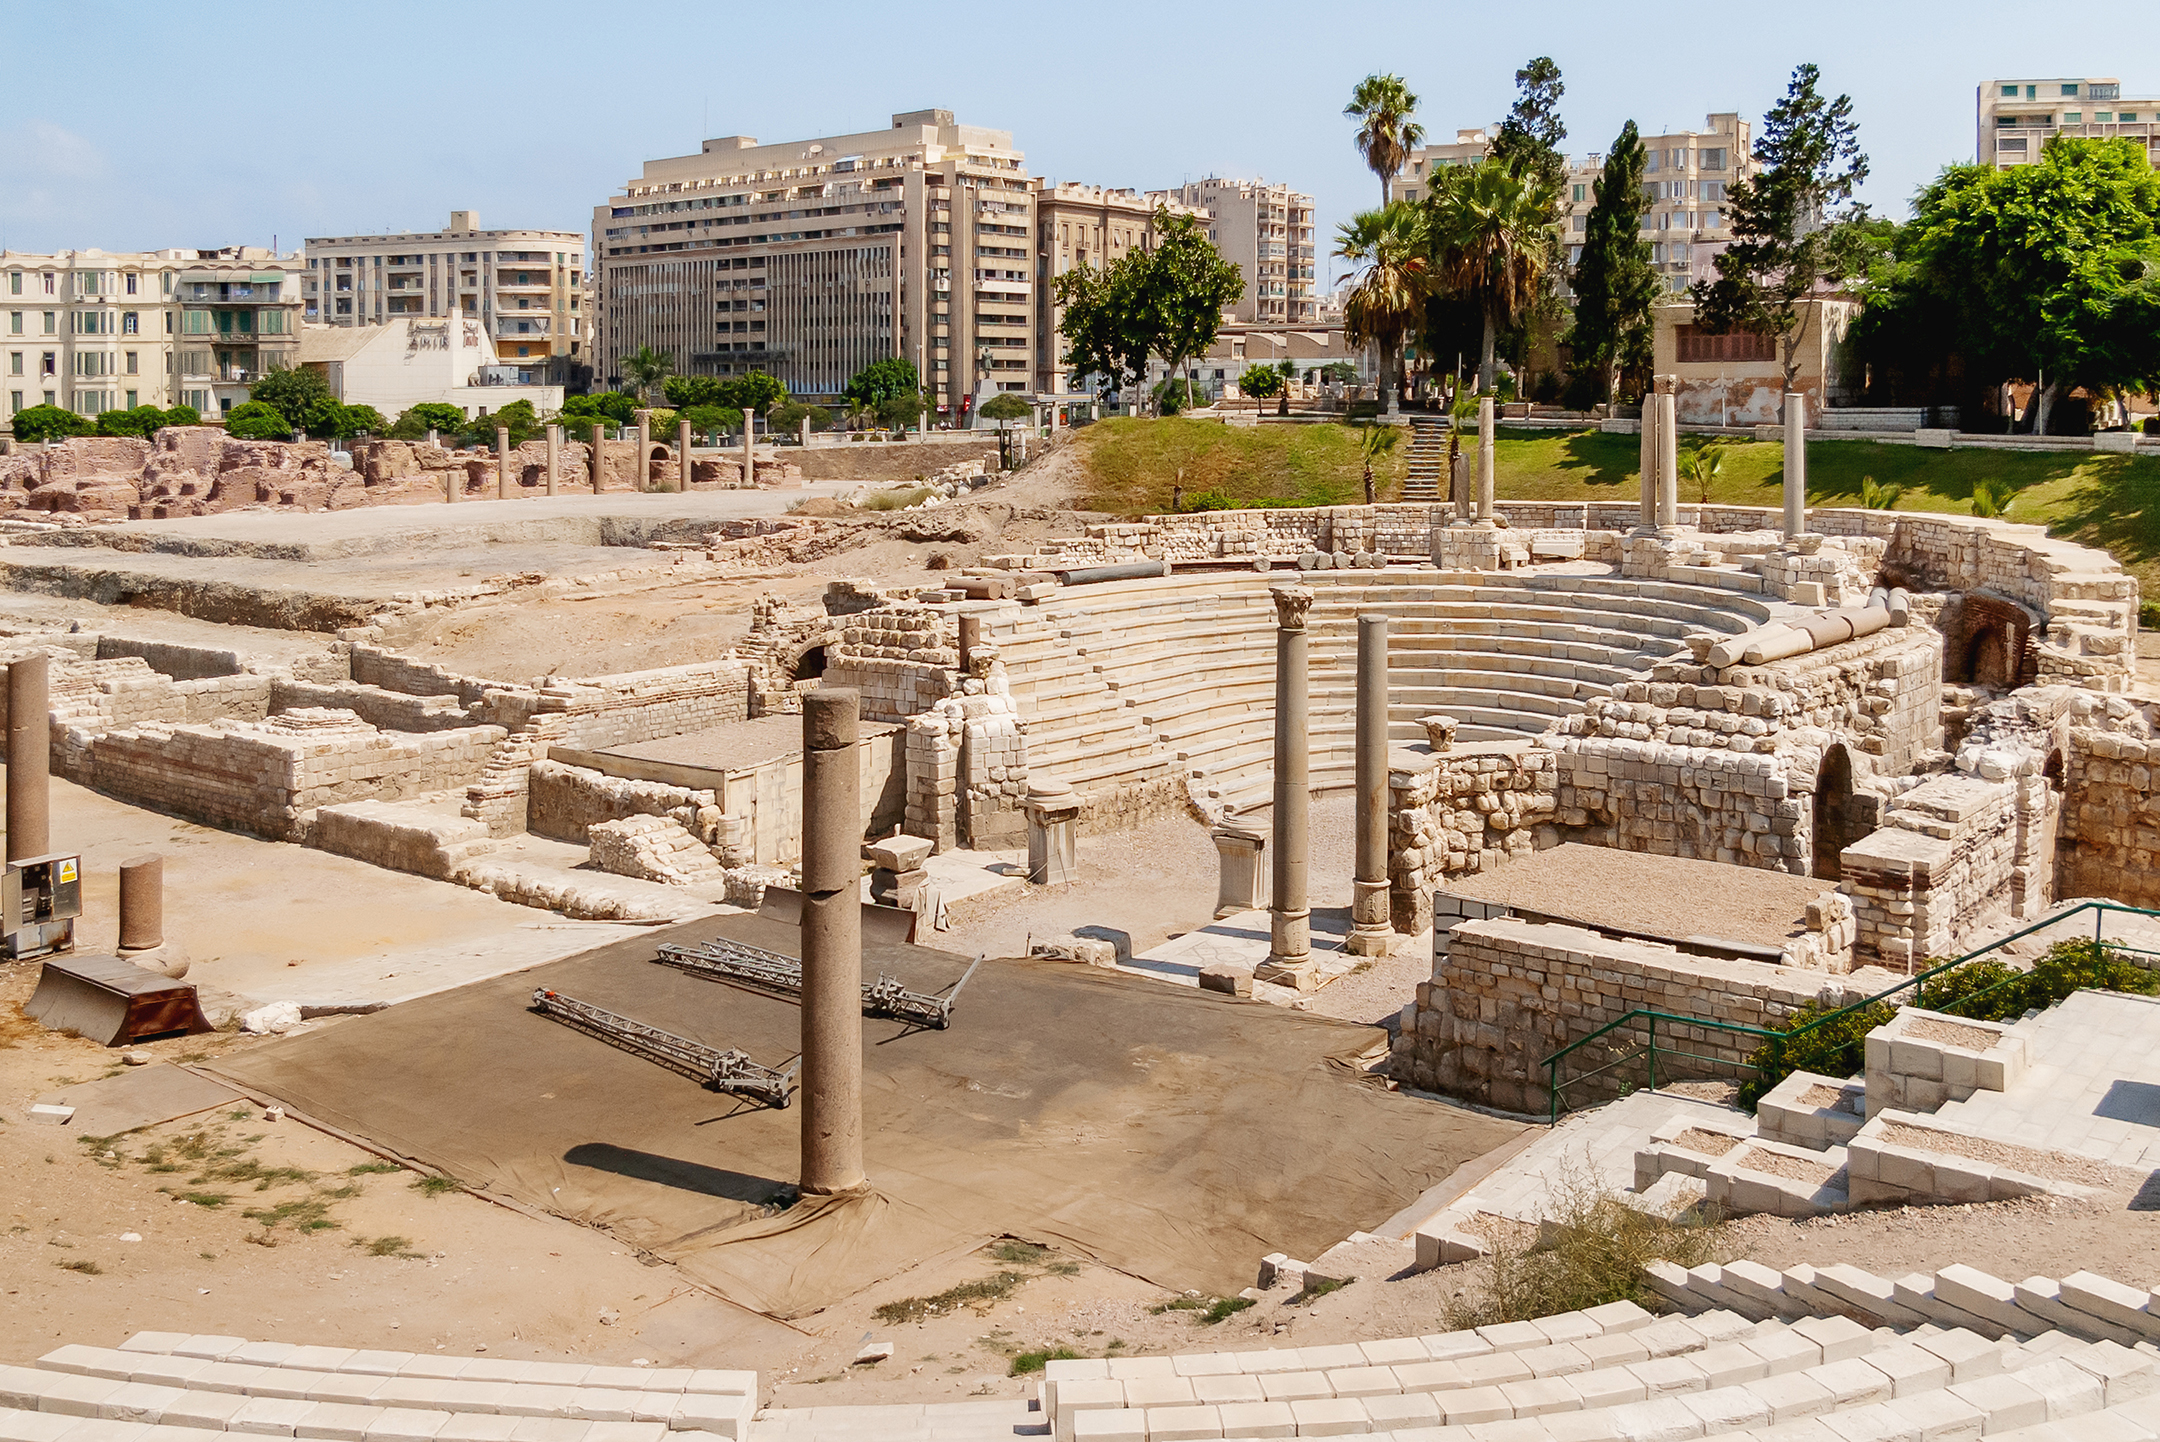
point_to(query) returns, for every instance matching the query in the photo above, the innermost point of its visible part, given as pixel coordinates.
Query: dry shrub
(1590, 1251)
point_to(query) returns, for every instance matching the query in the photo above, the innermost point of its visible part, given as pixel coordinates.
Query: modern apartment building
(2014, 118)
(1687, 174)
(94, 331)
(1076, 226)
(1267, 230)
(525, 287)
(810, 259)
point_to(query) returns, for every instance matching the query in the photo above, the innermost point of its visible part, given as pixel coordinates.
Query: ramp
(113, 1002)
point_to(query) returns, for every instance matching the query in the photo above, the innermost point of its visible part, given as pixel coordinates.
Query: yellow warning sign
(67, 870)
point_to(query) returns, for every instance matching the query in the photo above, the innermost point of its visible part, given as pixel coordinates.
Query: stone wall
(1509, 993)
(2110, 836)
(566, 802)
(389, 710)
(1462, 811)
(1953, 857)
(903, 660)
(267, 777)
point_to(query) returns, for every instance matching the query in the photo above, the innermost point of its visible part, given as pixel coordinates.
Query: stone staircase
(1426, 477)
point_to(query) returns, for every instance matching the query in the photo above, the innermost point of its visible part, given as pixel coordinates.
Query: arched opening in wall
(1989, 657)
(810, 664)
(1835, 828)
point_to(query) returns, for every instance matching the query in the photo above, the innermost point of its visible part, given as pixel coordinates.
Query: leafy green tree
(1166, 301)
(755, 391)
(135, 421)
(646, 368)
(1375, 441)
(790, 415)
(294, 392)
(254, 420)
(1493, 237)
(1614, 283)
(892, 376)
(1005, 406)
(518, 418)
(328, 420)
(607, 408)
(2047, 272)
(365, 421)
(1786, 221)
(1703, 466)
(713, 420)
(1261, 382)
(687, 392)
(1340, 372)
(1383, 107)
(1389, 248)
(436, 416)
(902, 409)
(1177, 394)
(51, 423)
(183, 416)
(1528, 142)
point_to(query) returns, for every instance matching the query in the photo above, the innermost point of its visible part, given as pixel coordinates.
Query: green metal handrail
(1917, 983)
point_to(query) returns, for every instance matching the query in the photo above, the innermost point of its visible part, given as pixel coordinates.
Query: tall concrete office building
(1267, 231)
(810, 259)
(2014, 118)
(527, 287)
(94, 330)
(1078, 226)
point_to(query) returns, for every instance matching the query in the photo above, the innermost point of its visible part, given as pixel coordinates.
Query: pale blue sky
(143, 125)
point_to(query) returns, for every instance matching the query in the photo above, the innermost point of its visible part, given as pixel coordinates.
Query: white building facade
(2013, 118)
(1267, 231)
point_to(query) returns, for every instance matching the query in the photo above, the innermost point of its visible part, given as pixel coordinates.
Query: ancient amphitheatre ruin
(1369, 900)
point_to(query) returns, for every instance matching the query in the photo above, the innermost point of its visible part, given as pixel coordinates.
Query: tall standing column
(1646, 468)
(554, 456)
(1290, 961)
(749, 446)
(1795, 464)
(502, 463)
(29, 759)
(598, 431)
(1485, 458)
(1668, 458)
(642, 474)
(1371, 933)
(682, 457)
(832, 1158)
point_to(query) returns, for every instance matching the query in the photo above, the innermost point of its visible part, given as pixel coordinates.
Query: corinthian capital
(1291, 604)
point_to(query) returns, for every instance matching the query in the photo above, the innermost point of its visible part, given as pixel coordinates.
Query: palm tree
(1386, 302)
(1382, 105)
(1493, 238)
(645, 368)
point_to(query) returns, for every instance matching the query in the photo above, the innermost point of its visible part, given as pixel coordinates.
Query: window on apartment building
(15, 363)
(131, 282)
(14, 282)
(14, 401)
(15, 322)
(132, 368)
(52, 322)
(2070, 90)
(2073, 117)
(51, 281)
(131, 400)
(2009, 92)
(2102, 117)
(1580, 224)
(131, 322)
(2127, 117)
(1710, 159)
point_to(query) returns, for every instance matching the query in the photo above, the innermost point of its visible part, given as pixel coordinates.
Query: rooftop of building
(746, 160)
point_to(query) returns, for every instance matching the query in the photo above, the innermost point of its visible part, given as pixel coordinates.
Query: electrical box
(40, 897)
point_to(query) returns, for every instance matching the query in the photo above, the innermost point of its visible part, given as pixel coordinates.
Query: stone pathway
(2093, 1087)
(1595, 1148)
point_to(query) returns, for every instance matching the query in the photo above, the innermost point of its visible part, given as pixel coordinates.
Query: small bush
(365, 1168)
(1593, 1253)
(435, 1186)
(1223, 1308)
(981, 1295)
(1028, 1362)
(896, 500)
(400, 1247)
(83, 1265)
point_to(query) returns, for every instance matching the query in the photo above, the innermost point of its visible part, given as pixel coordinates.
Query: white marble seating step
(1926, 1383)
(903, 1422)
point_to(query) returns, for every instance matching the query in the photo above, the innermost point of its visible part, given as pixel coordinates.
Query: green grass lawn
(2104, 500)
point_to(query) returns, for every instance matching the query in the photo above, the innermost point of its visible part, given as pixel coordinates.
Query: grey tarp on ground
(1173, 1134)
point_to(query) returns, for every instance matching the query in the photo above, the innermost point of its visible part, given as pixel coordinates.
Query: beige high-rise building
(93, 331)
(810, 259)
(526, 287)
(2014, 118)
(1267, 230)
(1687, 175)
(1076, 226)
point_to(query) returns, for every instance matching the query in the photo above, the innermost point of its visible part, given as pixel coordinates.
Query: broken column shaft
(831, 945)
(29, 759)
(142, 903)
(598, 431)
(502, 463)
(1668, 455)
(554, 456)
(1289, 961)
(1485, 458)
(1795, 464)
(682, 457)
(1370, 931)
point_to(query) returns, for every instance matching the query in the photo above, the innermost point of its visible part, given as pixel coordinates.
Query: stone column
(1795, 464)
(1053, 813)
(502, 463)
(1371, 934)
(1237, 852)
(1485, 458)
(431, 440)
(682, 457)
(1289, 961)
(554, 456)
(142, 903)
(749, 446)
(1647, 466)
(831, 945)
(922, 426)
(643, 473)
(598, 431)
(1668, 459)
(29, 759)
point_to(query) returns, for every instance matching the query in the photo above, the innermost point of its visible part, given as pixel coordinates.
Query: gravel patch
(1950, 1033)
(1777, 1164)
(2054, 1166)
(1705, 1142)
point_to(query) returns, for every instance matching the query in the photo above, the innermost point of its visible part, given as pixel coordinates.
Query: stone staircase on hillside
(1426, 478)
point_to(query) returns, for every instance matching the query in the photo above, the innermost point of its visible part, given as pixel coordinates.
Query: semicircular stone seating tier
(1129, 683)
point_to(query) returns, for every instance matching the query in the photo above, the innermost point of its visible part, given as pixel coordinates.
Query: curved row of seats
(1130, 679)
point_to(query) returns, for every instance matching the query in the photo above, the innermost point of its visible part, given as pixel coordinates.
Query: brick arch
(1988, 641)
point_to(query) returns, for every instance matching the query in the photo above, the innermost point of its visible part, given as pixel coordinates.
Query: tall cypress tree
(1614, 282)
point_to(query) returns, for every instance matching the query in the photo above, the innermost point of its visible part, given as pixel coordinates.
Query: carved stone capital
(1291, 604)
